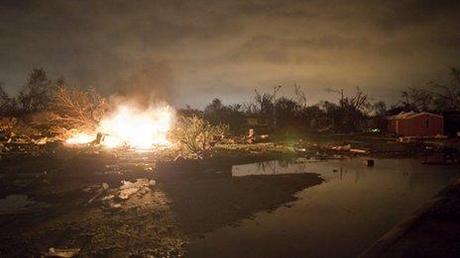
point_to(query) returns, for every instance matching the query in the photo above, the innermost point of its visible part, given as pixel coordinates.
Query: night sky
(192, 51)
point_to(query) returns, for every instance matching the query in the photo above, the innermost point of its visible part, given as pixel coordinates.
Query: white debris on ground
(115, 198)
(63, 253)
(128, 188)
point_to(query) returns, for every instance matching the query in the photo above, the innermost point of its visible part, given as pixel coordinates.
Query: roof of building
(411, 114)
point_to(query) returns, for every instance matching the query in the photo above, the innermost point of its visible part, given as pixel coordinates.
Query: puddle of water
(339, 218)
(272, 167)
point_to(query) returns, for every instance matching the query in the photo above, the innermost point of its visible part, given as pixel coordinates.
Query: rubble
(128, 188)
(346, 147)
(360, 151)
(114, 198)
(64, 253)
(253, 137)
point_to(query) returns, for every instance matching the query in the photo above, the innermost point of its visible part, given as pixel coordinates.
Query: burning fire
(133, 127)
(80, 138)
(142, 129)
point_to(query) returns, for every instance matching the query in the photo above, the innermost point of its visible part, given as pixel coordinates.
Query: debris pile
(117, 198)
(64, 253)
(253, 137)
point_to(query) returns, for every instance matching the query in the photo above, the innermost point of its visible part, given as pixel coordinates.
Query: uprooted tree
(76, 108)
(47, 107)
(196, 135)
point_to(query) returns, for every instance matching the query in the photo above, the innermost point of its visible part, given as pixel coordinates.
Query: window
(427, 123)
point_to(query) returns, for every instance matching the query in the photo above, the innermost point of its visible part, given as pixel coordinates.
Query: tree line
(75, 107)
(52, 105)
(350, 113)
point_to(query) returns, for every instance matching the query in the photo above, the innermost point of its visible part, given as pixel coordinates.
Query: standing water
(338, 218)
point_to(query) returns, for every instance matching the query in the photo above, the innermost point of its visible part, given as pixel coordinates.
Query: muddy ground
(94, 201)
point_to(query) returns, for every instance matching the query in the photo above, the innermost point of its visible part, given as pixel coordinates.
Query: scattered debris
(91, 188)
(342, 148)
(64, 253)
(253, 137)
(300, 150)
(360, 151)
(105, 186)
(98, 194)
(113, 198)
(41, 141)
(125, 193)
(128, 188)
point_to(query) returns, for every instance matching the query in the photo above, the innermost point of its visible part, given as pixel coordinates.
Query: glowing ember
(133, 127)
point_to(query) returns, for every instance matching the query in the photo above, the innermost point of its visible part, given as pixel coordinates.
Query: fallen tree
(75, 108)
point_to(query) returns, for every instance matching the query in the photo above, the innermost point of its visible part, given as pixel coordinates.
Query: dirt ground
(57, 212)
(86, 200)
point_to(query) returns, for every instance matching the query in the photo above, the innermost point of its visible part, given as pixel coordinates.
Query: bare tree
(357, 102)
(350, 112)
(77, 108)
(263, 102)
(340, 92)
(301, 99)
(448, 94)
(417, 99)
(379, 108)
(436, 97)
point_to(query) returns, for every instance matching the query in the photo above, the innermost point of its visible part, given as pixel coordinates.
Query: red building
(416, 124)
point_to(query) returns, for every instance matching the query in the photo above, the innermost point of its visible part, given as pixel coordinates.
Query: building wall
(391, 126)
(422, 125)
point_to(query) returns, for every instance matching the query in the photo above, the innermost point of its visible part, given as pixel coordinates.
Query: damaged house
(421, 124)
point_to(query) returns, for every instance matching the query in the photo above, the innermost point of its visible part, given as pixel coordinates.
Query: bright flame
(133, 127)
(81, 138)
(141, 129)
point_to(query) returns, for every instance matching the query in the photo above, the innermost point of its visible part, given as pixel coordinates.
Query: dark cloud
(191, 51)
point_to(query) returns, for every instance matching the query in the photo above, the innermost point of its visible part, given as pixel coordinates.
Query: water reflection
(207, 200)
(272, 167)
(339, 218)
(339, 170)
